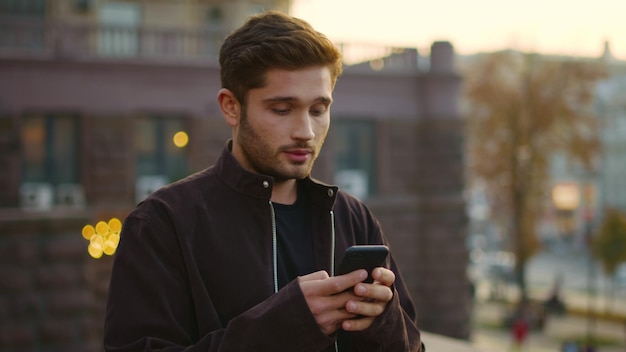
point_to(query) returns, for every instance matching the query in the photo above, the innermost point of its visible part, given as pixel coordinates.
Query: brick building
(88, 108)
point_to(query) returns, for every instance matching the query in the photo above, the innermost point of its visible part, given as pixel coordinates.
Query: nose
(303, 127)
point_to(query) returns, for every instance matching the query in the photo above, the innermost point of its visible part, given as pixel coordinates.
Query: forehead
(308, 83)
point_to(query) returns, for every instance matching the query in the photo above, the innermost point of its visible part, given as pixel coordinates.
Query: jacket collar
(260, 186)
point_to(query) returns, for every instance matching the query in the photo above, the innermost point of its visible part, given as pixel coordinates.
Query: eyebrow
(289, 99)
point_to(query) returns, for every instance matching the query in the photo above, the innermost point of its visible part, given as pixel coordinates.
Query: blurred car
(491, 273)
(493, 266)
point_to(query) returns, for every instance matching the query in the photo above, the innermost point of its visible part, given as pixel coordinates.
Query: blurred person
(241, 256)
(520, 326)
(520, 333)
(554, 304)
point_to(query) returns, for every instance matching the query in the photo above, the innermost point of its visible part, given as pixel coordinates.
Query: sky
(573, 27)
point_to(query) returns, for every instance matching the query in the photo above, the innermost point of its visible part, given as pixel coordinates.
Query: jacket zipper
(332, 243)
(332, 255)
(274, 248)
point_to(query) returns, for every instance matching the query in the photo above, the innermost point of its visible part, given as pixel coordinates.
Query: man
(241, 256)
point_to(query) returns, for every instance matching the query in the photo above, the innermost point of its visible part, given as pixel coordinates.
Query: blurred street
(493, 303)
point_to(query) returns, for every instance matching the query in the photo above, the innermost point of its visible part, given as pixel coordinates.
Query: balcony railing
(54, 39)
(59, 39)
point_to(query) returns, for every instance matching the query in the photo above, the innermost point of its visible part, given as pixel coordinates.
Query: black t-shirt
(294, 239)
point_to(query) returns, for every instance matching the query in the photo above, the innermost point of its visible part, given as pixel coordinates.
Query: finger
(345, 282)
(320, 304)
(331, 321)
(335, 316)
(318, 275)
(337, 284)
(384, 276)
(357, 324)
(375, 292)
(365, 308)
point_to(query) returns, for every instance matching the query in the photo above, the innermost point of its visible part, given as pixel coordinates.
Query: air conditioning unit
(146, 185)
(36, 196)
(353, 181)
(70, 195)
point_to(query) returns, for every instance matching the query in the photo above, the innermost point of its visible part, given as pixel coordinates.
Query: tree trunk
(519, 244)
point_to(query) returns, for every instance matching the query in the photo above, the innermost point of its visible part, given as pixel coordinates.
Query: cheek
(261, 127)
(321, 127)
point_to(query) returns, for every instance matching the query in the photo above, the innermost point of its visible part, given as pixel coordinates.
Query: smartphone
(365, 257)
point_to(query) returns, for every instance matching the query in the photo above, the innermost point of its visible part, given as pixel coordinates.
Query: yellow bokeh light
(96, 239)
(103, 238)
(115, 225)
(180, 139)
(88, 231)
(115, 238)
(95, 250)
(109, 248)
(102, 228)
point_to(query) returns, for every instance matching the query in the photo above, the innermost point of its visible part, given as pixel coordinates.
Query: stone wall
(48, 295)
(442, 230)
(427, 225)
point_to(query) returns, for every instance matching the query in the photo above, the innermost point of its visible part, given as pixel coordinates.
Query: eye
(281, 109)
(318, 110)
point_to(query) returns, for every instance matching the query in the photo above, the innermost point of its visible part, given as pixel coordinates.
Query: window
(119, 23)
(354, 144)
(50, 161)
(215, 16)
(30, 8)
(25, 30)
(161, 152)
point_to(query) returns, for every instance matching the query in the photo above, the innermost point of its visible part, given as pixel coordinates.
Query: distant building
(91, 96)
(611, 108)
(605, 185)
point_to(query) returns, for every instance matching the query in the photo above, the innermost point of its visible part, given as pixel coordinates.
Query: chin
(297, 175)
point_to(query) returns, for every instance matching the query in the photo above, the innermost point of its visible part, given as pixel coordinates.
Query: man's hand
(373, 300)
(328, 297)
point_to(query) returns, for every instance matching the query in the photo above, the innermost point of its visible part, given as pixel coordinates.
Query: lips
(298, 155)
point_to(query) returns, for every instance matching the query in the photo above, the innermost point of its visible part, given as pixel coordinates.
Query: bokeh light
(88, 231)
(181, 139)
(103, 238)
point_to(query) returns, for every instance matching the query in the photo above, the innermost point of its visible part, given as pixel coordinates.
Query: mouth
(298, 155)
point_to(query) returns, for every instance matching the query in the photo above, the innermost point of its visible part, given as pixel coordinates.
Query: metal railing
(21, 36)
(59, 39)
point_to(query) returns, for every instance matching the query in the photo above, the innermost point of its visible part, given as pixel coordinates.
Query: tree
(522, 108)
(609, 244)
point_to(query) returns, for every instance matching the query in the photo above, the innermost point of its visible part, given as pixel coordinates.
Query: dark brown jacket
(195, 271)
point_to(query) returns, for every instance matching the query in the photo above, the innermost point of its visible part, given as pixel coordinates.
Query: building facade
(611, 109)
(91, 96)
(604, 185)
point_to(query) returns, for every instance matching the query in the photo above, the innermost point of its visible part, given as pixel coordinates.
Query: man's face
(284, 123)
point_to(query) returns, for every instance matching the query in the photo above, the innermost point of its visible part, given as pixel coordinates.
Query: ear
(230, 107)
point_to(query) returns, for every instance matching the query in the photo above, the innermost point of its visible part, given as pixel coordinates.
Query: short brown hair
(273, 40)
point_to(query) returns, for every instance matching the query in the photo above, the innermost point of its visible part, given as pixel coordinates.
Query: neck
(285, 192)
